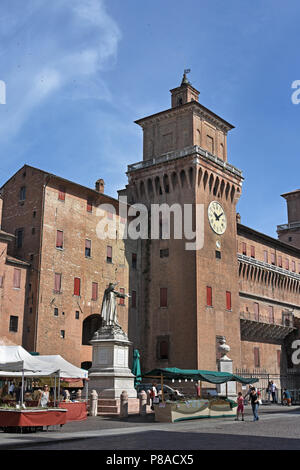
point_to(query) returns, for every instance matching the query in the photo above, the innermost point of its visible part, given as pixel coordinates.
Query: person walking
(287, 397)
(269, 391)
(254, 404)
(240, 407)
(44, 398)
(273, 392)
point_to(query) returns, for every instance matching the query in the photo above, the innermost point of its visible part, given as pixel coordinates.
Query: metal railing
(286, 320)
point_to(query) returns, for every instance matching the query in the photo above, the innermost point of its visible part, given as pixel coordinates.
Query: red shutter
(244, 248)
(61, 193)
(89, 206)
(266, 256)
(133, 299)
(293, 266)
(228, 300)
(287, 264)
(59, 239)
(163, 297)
(76, 286)
(256, 357)
(17, 278)
(252, 251)
(57, 282)
(209, 296)
(109, 254)
(272, 258)
(280, 261)
(94, 291)
(122, 301)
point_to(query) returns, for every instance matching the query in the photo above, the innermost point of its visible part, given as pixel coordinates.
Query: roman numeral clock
(217, 217)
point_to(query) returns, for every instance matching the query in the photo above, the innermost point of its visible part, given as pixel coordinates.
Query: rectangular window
(89, 205)
(133, 260)
(293, 266)
(77, 286)
(59, 239)
(163, 297)
(163, 348)
(273, 258)
(210, 144)
(278, 358)
(95, 291)
(133, 299)
(55, 312)
(209, 296)
(17, 278)
(13, 323)
(57, 283)
(265, 256)
(228, 300)
(280, 261)
(256, 357)
(88, 248)
(164, 253)
(121, 300)
(244, 248)
(19, 237)
(77, 315)
(22, 195)
(218, 254)
(287, 264)
(256, 311)
(62, 334)
(62, 193)
(109, 254)
(252, 251)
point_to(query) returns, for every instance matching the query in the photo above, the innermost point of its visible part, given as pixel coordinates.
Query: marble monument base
(226, 365)
(110, 374)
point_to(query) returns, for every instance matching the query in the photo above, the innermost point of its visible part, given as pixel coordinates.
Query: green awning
(211, 376)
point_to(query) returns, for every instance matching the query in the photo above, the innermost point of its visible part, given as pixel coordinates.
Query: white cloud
(53, 47)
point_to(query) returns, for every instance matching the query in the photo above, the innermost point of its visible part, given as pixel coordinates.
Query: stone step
(107, 402)
(108, 409)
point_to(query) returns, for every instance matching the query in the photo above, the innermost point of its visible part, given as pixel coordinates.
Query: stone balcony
(288, 226)
(192, 150)
(264, 328)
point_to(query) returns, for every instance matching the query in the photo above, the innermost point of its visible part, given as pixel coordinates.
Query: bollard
(93, 403)
(143, 403)
(124, 405)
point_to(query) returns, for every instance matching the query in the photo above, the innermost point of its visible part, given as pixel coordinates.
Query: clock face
(217, 217)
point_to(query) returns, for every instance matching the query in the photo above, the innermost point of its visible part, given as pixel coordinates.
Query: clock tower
(188, 297)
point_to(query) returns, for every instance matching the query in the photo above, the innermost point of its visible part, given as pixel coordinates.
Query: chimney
(99, 186)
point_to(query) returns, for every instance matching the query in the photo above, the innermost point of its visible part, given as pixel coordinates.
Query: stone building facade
(13, 275)
(55, 224)
(240, 285)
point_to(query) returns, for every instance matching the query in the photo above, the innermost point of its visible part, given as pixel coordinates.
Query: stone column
(143, 403)
(93, 403)
(225, 364)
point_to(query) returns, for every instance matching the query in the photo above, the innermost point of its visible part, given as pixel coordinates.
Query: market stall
(16, 362)
(198, 407)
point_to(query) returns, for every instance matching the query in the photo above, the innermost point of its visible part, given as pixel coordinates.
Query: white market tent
(15, 361)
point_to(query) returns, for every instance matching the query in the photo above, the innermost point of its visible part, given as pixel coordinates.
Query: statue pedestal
(225, 365)
(109, 374)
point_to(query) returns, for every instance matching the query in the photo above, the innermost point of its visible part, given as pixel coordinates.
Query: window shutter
(109, 254)
(228, 300)
(61, 193)
(59, 239)
(89, 206)
(209, 296)
(122, 301)
(163, 297)
(76, 286)
(94, 291)
(256, 357)
(244, 248)
(252, 251)
(57, 282)
(17, 278)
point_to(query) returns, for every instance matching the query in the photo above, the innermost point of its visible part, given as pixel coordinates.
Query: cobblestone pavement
(278, 428)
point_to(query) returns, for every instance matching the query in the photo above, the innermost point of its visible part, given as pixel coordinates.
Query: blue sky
(78, 73)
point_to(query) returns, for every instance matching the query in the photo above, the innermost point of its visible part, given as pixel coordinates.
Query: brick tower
(290, 232)
(189, 297)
